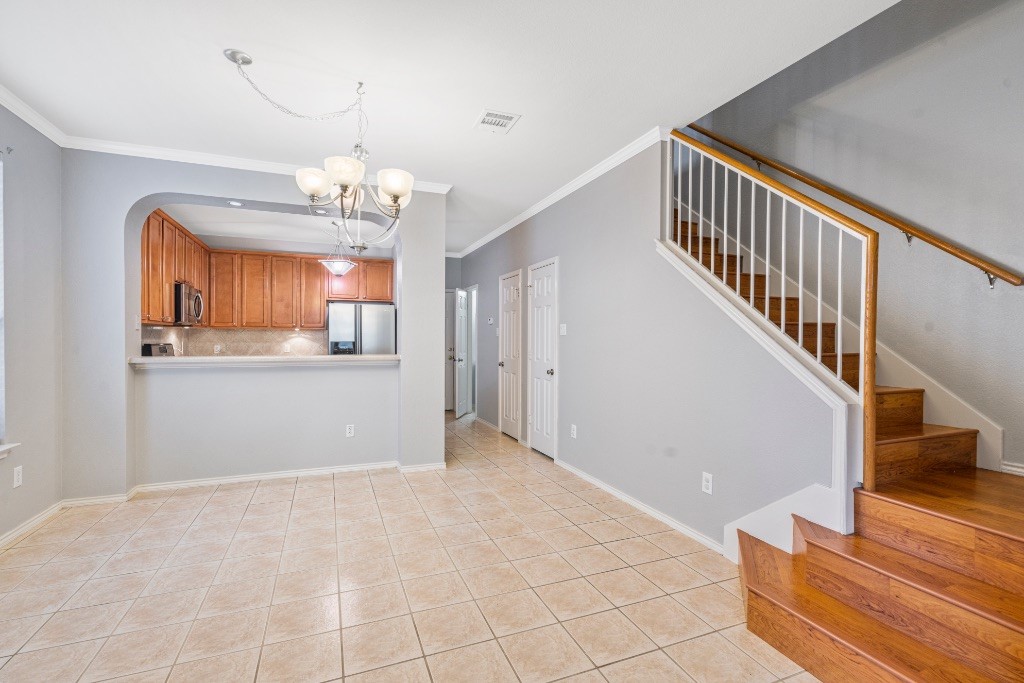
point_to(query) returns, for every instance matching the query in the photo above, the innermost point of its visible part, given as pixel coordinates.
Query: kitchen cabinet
(181, 260)
(254, 290)
(170, 254)
(168, 249)
(370, 280)
(312, 300)
(284, 290)
(223, 300)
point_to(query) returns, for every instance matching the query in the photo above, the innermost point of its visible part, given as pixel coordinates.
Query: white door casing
(461, 352)
(542, 357)
(510, 353)
(449, 353)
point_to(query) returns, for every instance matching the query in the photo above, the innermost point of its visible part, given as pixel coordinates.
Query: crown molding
(628, 152)
(19, 108)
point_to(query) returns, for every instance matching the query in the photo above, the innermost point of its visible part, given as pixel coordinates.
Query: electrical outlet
(17, 477)
(350, 430)
(216, 348)
(705, 483)
(572, 431)
(562, 330)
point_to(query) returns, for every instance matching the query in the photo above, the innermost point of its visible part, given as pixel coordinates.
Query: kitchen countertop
(176, 362)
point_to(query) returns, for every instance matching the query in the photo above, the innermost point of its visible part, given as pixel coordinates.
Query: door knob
(551, 371)
(501, 364)
(451, 357)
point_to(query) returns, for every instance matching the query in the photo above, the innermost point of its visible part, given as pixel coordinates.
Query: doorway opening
(461, 352)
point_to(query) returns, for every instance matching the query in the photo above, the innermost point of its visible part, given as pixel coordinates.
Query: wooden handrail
(990, 269)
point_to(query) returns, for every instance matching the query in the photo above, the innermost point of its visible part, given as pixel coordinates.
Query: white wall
(32, 328)
(197, 423)
(661, 384)
(919, 111)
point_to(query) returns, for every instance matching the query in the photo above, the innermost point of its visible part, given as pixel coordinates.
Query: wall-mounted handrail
(990, 269)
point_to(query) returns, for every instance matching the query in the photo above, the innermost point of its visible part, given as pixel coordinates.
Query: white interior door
(449, 352)
(542, 355)
(510, 402)
(461, 352)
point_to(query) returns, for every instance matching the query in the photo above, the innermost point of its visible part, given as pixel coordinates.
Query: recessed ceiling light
(234, 203)
(321, 211)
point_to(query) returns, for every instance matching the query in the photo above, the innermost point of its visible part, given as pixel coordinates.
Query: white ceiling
(588, 76)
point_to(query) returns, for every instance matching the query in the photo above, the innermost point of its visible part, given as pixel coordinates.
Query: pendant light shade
(394, 182)
(338, 266)
(345, 171)
(314, 182)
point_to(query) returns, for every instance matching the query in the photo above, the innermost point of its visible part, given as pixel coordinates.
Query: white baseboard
(404, 469)
(216, 481)
(98, 500)
(643, 507)
(28, 526)
(1014, 468)
(486, 423)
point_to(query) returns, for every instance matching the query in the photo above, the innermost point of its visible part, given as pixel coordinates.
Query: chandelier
(342, 181)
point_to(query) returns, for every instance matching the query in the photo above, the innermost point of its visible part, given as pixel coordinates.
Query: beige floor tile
(595, 496)
(191, 576)
(366, 573)
(224, 633)
(542, 521)
(608, 637)
(73, 626)
(514, 612)
(379, 643)
(654, 666)
(461, 534)
(567, 538)
(571, 599)
(526, 545)
(238, 597)
(110, 589)
(197, 553)
(57, 573)
(671, 575)
(150, 536)
(424, 563)
(665, 621)
(30, 555)
(152, 676)
(634, 551)
(624, 586)
(313, 658)
(675, 543)
(544, 569)
(712, 565)
(592, 676)
(414, 541)
(362, 528)
(713, 604)
(607, 530)
(412, 671)
(713, 659)
(309, 558)
(310, 583)
(53, 665)
(436, 591)
(236, 667)
(733, 586)
(644, 524)
(803, 677)
(483, 662)
(248, 568)
(363, 549)
(592, 559)
(583, 514)
(243, 546)
(527, 506)
(30, 603)
(761, 652)
(305, 538)
(14, 633)
(449, 517)
(562, 501)
(302, 618)
(373, 604)
(402, 524)
(136, 561)
(136, 652)
(162, 610)
(402, 506)
(475, 554)
(12, 578)
(493, 579)
(544, 654)
(503, 527)
(446, 628)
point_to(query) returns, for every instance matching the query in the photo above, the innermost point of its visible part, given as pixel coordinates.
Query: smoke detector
(496, 121)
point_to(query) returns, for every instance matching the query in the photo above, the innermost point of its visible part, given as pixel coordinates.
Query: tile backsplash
(203, 341)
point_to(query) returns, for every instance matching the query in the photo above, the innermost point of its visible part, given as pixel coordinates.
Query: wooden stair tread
(985, 600)
(916, 432)
(992, 501)
(897, 390)
(897, 653)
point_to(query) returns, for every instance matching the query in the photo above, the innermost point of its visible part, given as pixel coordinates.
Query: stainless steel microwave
(188, 305)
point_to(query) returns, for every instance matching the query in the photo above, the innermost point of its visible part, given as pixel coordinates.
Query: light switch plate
(561, 329)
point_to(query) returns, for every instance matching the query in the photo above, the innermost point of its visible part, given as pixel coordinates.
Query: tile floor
(502, 567)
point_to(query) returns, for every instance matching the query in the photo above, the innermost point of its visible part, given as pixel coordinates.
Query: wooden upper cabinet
(203, 268)
(344, 287)
(144, 271)
(254, 290)
(284, 291)
(312, 294)
(224, 296)
(154, 274)
(180, 255)
(168, 249)
(376, 280)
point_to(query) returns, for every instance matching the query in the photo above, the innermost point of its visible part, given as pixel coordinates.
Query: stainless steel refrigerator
(360, 328)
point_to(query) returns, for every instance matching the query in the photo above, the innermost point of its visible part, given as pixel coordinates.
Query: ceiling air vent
(496, 121)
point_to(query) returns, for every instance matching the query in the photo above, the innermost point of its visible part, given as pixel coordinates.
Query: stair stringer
(829, 504)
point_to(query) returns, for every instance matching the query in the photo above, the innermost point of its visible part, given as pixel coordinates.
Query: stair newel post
(868, 356)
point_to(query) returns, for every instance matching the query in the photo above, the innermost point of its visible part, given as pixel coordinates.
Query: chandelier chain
(356, 106)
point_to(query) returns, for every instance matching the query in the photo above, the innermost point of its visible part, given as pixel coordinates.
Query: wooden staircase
(930, 587)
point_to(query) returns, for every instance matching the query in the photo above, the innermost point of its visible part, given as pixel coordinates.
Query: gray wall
(273, 419)
(32, 328)
(661, 384)
(919, 111)
(452, 272)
